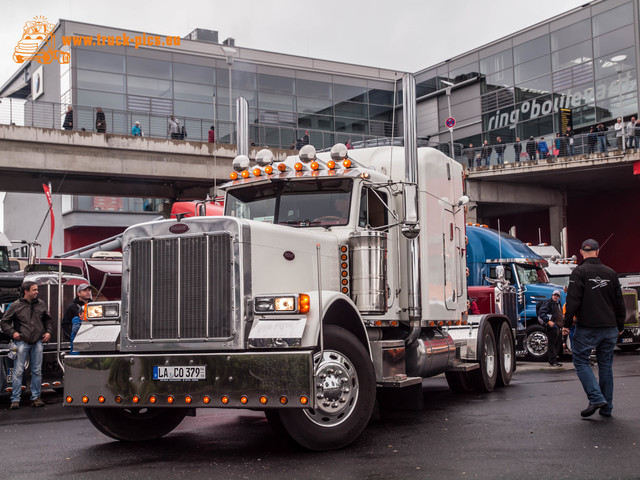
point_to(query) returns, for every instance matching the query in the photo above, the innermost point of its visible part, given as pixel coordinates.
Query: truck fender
(337, 309)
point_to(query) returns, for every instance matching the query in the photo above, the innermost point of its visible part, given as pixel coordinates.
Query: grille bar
(181, 288)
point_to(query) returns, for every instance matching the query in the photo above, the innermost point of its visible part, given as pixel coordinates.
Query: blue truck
(525, 270)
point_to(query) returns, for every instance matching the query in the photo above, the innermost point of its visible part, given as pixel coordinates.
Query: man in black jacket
(83, 296)
(28, 324)
(550, 315)
(594, 298)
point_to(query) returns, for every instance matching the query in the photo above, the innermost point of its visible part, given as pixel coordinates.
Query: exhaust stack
(410, 225)
(242, 114)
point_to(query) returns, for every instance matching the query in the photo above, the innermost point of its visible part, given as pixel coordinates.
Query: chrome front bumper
(236, 380)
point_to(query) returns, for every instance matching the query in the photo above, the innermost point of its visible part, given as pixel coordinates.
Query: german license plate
(191, 373)
(627, 340)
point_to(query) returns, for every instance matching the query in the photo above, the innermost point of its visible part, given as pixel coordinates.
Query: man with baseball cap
(83, 296)
(594, 298)
(550, 316)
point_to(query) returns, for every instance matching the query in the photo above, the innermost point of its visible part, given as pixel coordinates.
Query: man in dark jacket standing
(83, 296)
(28, 324)
(594, 298)
(550, 315)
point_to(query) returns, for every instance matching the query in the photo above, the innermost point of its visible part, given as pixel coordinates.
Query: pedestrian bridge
(86, 163)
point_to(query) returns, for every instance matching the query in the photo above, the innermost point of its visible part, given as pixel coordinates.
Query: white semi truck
(330, 278)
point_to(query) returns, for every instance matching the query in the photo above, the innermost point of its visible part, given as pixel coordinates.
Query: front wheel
(135, 424)
(345, 387)
(536, 343)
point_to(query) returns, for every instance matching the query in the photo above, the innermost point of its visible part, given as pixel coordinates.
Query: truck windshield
(301, 203)
(530, 274)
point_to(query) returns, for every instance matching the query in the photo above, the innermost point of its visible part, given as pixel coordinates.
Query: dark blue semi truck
(487, 249)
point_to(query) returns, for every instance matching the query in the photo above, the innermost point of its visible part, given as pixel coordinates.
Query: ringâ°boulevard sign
(450, 122)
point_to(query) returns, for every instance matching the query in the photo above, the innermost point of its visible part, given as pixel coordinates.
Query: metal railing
(556, 147)
(155, 125)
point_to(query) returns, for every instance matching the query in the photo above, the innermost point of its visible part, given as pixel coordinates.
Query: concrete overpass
(518, 189)
(85, 163)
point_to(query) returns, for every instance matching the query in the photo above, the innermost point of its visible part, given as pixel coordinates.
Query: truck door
(452, 240)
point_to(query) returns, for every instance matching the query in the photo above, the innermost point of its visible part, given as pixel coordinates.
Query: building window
(531, 49)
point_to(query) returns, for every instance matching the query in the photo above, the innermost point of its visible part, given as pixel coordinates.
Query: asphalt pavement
(530, 430)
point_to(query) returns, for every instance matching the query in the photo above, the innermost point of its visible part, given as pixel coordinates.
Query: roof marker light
(282, 167)
(233, 175)
(245, 174)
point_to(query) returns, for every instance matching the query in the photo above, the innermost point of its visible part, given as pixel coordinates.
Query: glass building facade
(156, 84)
(584, 63)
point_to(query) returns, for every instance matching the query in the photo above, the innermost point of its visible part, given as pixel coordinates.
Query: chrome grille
(181, 288)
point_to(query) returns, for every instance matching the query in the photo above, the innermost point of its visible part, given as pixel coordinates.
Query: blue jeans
(34, 354)
(602, 141)
(637, 140)
(604, 341)
(500, 158)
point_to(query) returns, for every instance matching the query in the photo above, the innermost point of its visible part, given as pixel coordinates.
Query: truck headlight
(282, 304)
(102, 311)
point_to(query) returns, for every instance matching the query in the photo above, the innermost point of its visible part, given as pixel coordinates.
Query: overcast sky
(405, 35)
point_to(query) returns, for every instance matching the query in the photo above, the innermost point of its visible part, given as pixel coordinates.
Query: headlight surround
(282, 304)
(102, 311)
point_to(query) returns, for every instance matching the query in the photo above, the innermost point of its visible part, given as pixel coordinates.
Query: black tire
(506, 355)
(484, 378)
(628, 348)
(135, 424)
(342, 413)
(536, 343)
(459, 382)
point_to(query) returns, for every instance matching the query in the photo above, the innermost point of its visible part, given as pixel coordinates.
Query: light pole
(447, 91)
(230, 53)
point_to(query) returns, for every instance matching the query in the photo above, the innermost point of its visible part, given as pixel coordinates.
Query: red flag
(47, 193)
(636, 168)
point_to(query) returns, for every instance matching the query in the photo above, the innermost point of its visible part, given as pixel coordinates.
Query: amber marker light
(297, 167)
(343, 265)
(233, 175)
(206, 400)
(85, 399)
(225, 399)
(268, 169)
(243, 399)
(282, 167)
(257, 172)
(345, 281)
(345, 290)
(101, 399)
(170, 398)
(346, 163)
(69, 399)
(118, 399)
(331, 164)
(245, 174)
(263, 400)
(188, 399)
(304, 303)
(343, 249)
(283, 400)
(343, 257)
(304, 400)
(314, 165)
(152, 399)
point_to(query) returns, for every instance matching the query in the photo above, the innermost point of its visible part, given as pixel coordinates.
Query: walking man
(594, 298)
(28, 323)
(551, 317)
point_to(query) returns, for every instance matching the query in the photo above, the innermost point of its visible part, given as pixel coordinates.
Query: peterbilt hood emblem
(179, 228)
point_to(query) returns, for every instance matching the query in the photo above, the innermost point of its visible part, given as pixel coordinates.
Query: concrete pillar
(472, 212)
(555, 225)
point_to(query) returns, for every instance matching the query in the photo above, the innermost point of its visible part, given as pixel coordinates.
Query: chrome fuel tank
(368, 251)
